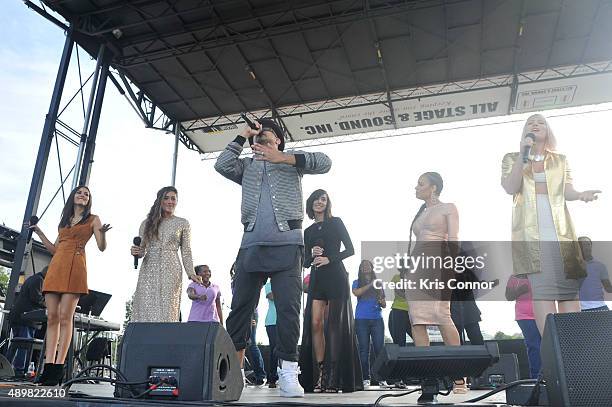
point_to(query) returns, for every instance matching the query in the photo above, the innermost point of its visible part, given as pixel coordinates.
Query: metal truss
(218, 123)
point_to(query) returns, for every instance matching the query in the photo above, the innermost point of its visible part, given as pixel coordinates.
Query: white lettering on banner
(408, 113)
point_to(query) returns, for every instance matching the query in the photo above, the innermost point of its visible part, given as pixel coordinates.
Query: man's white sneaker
(288, 380)
(366, 384)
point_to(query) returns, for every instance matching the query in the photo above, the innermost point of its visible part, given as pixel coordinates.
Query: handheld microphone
(527, 148)
(137, 240)
(33, 221)
(248, 121)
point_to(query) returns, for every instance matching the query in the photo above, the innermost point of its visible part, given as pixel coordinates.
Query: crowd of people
(553, 271)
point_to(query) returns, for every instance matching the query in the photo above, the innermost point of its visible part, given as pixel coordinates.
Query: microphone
(248, 121)
(137, 240)
(527, 148)
(33, 221)
(318, 242)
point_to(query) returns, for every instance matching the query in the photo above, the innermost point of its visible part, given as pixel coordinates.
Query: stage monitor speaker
(505, 371)
(576, 354)
(396, 363)
(198, 359)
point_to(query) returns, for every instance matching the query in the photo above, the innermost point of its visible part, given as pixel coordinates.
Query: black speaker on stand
(576, 354)
(191, 361)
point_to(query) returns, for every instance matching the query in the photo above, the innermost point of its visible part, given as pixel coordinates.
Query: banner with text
(561, 93)
(408, 113)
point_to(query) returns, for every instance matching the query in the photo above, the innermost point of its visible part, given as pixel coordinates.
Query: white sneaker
(366, 384)
(288, 380)
(383, 383)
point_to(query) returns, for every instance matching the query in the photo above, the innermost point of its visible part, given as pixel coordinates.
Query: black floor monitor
(434, 366)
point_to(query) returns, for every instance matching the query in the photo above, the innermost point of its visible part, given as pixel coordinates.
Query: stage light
(117, 33)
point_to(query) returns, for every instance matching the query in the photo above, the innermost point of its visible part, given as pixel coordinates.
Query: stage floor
(102, 394)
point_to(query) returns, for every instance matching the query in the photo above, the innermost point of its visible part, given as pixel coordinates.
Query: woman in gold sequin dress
(158, 291)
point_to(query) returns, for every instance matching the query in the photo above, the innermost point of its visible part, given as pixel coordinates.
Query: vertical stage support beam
(83, 143)
(22, 251)
(177, 136)
(95, 121)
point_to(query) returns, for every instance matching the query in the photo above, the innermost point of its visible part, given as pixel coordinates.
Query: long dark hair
(313, 197)
(434, 179)
(361, 281)
(154, 218)
(68, 211)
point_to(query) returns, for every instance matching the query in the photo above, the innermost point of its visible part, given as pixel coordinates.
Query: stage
(102, 395)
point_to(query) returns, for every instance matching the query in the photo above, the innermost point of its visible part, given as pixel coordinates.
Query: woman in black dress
(329, 359)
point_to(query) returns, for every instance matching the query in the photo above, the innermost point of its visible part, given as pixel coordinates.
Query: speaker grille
(585, 352)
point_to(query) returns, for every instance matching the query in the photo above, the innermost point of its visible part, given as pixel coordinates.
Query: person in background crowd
(597, 280)
(518, 289)
(205, 297)
(368, 317)
(30, 298)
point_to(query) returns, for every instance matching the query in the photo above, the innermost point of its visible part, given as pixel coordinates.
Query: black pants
(287, 291)
(473, 333)
(399, 326)
(272, 338)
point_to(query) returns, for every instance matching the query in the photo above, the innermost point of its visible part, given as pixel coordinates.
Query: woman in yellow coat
(544, 244)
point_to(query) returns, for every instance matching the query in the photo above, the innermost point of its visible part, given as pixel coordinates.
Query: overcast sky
(371, 182)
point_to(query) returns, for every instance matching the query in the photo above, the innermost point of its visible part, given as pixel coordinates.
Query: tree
(499, 335)
(5, 275)
(128, 312)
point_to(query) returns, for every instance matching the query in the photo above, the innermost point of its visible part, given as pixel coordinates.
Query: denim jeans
(532, 342)
(18, 359)
(256, 359)
(369, 331)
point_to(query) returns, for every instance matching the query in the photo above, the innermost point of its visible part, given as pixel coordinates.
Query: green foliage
(5, 274)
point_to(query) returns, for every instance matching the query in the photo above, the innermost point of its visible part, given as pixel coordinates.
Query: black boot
(54, 375)
(58, 375)
(44, 376)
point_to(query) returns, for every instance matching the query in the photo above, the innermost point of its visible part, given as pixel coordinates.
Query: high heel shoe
(55, 375)
(318, 388)
(44, 376)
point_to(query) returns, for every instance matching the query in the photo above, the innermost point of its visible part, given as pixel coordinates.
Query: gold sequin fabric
(158, 292)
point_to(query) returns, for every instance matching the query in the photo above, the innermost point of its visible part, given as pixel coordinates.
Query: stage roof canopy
(327, 68)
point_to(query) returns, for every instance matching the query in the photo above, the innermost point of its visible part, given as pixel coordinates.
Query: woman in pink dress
(436, 227)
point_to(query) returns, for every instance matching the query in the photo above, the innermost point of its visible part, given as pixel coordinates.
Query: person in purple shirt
(206, 297)
(597, 280)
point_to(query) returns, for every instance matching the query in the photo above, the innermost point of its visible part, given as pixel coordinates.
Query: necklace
(73, 222)
(538, 157)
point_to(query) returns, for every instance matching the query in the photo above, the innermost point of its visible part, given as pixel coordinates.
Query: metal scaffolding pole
(22, 251)
(93, 128)
(92, 94)
(177, 136)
